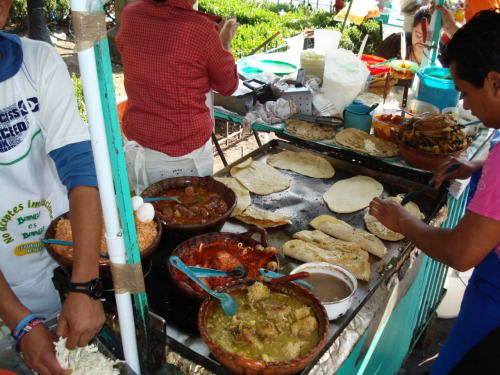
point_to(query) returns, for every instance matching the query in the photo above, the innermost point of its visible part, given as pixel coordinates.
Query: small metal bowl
(335, 309)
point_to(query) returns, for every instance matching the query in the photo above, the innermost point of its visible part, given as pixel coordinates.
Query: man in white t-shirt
(45, 158)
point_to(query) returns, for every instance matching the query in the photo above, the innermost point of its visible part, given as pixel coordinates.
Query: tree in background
(37, 23)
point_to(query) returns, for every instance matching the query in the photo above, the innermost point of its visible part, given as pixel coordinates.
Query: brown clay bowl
(180, 232)
(188, 252)
(104, 263)
(242, 365)
(425, 160)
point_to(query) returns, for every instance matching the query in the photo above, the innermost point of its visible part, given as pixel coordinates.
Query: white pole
(114, 238)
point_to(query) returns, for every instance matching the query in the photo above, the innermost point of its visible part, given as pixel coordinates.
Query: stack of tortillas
(263, 218)
(340, 229)
(381, 231)
(316, 246)
(259, 178)
(363, 142)
(249, 214)
(352, 194)
(309, 130)
(242, 194)
(303, 163)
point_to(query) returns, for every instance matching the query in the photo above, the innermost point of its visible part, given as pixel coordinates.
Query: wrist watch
(93, 288)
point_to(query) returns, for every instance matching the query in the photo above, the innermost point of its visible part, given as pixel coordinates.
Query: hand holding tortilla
(358, 140)
(259, 178)
(303, 163)
(340, 229)
(352, 194)
(381, 231)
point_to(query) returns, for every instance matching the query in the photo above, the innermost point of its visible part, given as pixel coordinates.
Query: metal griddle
(303, 201)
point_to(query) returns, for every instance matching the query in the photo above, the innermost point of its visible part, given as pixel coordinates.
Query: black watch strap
(93, 288)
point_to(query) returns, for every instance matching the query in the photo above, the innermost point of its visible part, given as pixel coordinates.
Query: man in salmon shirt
(473, 55)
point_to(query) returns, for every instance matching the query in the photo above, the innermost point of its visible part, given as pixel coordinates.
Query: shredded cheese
(84, 361)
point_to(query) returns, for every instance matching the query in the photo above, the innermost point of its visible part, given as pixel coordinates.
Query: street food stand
(389, 312)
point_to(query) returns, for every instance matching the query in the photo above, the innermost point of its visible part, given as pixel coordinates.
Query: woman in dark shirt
(391, 46)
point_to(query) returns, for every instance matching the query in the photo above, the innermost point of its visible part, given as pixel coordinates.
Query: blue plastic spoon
(228, 303)
(238, 272)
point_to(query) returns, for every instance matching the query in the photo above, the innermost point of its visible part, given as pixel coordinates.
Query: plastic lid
(357, 101)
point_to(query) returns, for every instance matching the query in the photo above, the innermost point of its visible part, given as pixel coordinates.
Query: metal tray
(303, 201)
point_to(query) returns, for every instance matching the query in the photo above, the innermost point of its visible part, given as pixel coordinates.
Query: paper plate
(275, 66)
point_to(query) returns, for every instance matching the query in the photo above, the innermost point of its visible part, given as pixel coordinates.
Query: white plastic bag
(344, 77)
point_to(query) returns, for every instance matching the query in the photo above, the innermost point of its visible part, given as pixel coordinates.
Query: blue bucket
(435, 89)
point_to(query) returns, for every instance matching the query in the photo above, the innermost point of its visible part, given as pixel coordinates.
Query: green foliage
(77, 85)
(260, 20)
(56, 11)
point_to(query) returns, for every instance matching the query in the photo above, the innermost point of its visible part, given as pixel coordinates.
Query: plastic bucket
(326, 40)
(434, 88)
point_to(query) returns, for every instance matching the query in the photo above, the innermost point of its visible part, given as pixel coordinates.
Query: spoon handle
(274, 275)
(291, 277)
(56, 242)
(179, 264)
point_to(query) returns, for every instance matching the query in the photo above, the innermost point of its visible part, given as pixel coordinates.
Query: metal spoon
(412, 195)
(372, 108)
(228, 303)
(238, 272)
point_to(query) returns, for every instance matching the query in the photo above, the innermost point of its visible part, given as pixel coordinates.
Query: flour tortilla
(326, 242)
(363, 142)
(381, 231)
(309, 130)
(352, 194)
(303, 163)
(340, 229)
(263, 218)
(259, 178)
(307, 252)
(242, 194)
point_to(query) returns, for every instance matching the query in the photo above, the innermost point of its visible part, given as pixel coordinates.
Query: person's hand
(449, 26)
(388, 212)
(37, 347)
(464, 170)
(227, 30)
(80, 320)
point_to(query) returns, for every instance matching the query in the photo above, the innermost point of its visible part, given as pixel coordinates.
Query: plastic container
(373, 60)
(406, 71)
(385, 125)
(313, 62)
(434, 88)
(326, 40)
(417, 107)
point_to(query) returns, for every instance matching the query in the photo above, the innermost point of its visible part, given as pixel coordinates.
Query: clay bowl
(104, 263)
(176, 232)
(188, 252)
(242, 365)
(425, 160)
